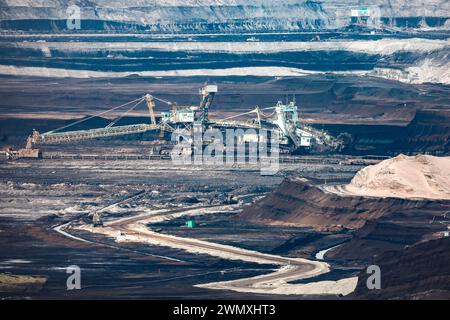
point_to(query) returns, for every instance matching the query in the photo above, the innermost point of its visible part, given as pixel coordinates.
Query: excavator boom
(151, 105)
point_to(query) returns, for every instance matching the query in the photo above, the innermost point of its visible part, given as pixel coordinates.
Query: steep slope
(232, 15)
(394, 231)
(427, 132)
(434, 68)
(417, 272)
(409, 189)
(299, 203)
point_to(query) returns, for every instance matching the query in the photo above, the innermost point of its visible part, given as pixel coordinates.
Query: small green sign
(190, 224)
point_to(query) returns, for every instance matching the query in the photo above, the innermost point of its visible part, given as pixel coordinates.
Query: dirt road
(134, 229)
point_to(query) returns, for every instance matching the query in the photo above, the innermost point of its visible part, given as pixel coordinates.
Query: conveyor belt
(93, 133)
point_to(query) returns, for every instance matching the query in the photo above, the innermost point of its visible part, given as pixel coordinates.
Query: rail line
(357, 160)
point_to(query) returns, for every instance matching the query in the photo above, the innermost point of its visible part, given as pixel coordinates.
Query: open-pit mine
(113, 201)
(225, 150)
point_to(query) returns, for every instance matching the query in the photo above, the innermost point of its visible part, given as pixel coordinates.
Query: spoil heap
(421, 176)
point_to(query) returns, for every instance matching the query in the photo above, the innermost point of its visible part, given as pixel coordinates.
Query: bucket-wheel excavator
(293, 134)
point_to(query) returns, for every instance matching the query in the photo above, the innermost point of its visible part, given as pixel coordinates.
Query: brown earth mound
(417, 272)
(298, 203)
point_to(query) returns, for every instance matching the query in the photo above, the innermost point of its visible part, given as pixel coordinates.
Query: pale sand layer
(340, 287)
(421, 176)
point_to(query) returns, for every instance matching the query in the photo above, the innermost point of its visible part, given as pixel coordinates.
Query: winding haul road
(134, 229)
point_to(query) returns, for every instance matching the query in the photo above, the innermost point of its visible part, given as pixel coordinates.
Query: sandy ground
(279, 286)
(382, 46)
(421, 176)
(246, 71)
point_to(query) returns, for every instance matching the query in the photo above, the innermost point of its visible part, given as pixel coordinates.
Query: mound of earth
(297, 202)
(421, 176)
(417, 272)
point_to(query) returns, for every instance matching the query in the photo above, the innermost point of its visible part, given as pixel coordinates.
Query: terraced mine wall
(428, 132)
